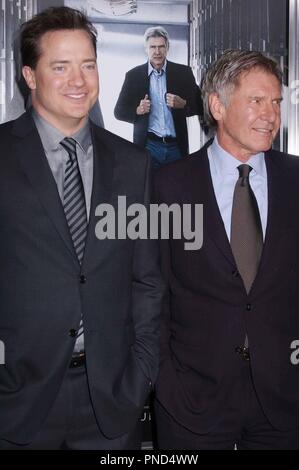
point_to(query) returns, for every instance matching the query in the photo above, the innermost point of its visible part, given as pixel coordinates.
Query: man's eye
(59, 68)
(90, 66)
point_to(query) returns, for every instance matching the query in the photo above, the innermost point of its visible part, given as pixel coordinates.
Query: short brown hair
(223, 75)
(52, 19)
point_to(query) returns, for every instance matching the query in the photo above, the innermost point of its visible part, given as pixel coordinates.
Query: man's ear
(216, 106)
(29, 76)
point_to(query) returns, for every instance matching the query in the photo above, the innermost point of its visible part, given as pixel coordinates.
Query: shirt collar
(151, 69)
(51, 136)
(225, 163)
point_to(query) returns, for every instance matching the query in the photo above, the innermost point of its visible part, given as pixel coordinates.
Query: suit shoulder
(178, 174)
(179, 67)
(291, 160)
(136, 70)
(121, 146)
(7, 138)
(5, 128)
(287, 161)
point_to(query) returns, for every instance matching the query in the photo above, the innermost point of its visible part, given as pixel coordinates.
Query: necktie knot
(69, 145)
(244, 170)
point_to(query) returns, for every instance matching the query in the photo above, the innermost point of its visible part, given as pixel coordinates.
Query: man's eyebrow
(68, 61)
(59, 62)
(279, 98)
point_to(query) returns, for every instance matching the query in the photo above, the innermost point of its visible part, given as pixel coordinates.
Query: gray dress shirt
(57, 156)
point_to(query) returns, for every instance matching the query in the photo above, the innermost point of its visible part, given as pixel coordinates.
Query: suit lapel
(170, 77)
(34, 164)
(144, 81)
(104, 160)
(203, 192)
(277, 219)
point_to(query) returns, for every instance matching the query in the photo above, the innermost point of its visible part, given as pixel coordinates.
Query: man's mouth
(263, 131)
(76, 96)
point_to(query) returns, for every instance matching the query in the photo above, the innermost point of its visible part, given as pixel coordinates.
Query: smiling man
(157, 97)
(79, 360)
(64, 85)
(231, 313)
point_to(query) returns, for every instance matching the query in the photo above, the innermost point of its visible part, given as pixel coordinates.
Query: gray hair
(156, 32)
(223, 75)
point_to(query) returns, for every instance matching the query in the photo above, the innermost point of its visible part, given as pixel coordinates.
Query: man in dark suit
(157, 97)
(226, 375)
(79, 315)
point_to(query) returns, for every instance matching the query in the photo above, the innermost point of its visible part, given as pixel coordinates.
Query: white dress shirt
(224, 173)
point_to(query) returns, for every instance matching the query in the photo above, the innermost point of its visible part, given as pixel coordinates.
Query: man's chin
(158, 63)
(77, 114)
(265, 147)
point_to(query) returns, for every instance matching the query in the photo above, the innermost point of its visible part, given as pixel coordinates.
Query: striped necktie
(75, 211)
(74, 198)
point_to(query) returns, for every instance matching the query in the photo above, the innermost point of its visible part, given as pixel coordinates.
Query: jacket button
(82, 279)
(248, 307)
(73, 333)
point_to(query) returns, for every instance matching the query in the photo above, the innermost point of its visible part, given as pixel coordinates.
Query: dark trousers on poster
(162, 154)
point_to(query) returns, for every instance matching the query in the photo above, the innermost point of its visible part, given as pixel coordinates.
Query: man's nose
(77, 77)
(270, 112)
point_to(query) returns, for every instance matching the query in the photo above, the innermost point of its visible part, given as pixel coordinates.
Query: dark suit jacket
(42, 298)
(208, 310)
(180, 81)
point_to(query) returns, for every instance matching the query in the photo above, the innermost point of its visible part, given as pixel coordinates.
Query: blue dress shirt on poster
(160, 118)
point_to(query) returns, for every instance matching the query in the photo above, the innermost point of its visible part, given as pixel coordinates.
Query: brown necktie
(246, 229)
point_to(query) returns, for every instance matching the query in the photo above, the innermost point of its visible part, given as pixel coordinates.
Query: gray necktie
(75, 211)
(246, 229)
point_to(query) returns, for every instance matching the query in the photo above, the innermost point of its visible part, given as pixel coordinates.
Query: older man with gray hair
(156, 98)
(231, 321)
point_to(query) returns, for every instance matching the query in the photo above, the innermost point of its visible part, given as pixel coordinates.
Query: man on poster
(156, 98)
